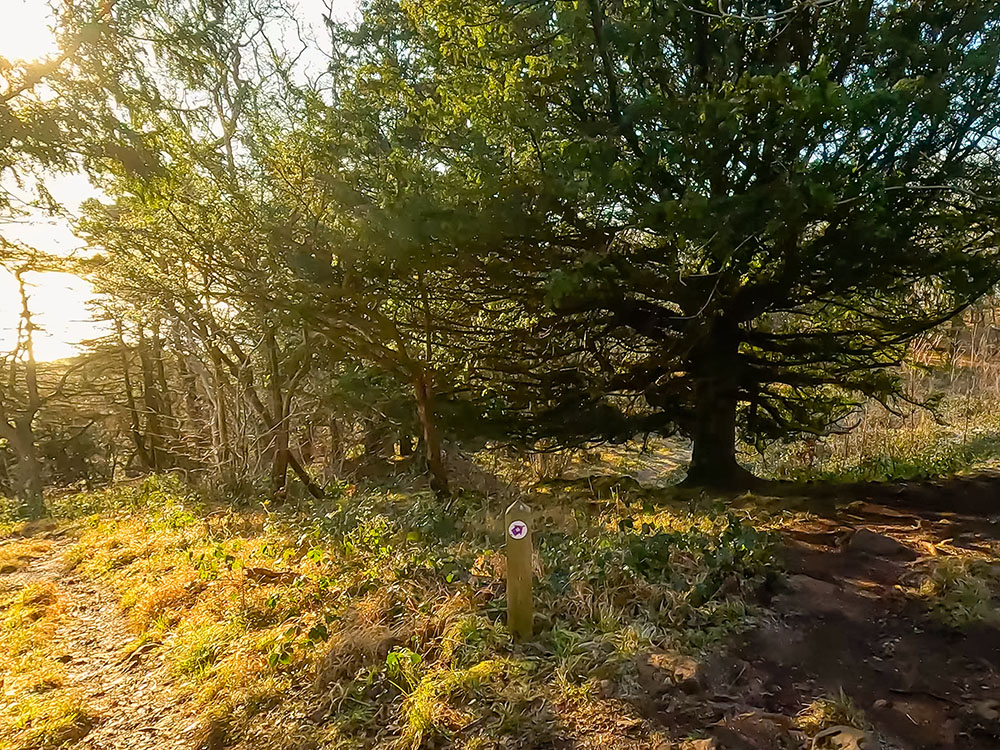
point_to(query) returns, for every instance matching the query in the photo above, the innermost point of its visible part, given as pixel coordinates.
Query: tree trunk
(28, 472)
(171, 424)
(151, 403)
(335, 454)
(314, 489)
(713, 456)
(220, 433)
(21, 434)
(195, 441)
(135, 429)
(432, 442)
(279, 426)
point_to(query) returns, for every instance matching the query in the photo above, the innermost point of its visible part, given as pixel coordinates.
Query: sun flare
(58, 301)
(25, 33)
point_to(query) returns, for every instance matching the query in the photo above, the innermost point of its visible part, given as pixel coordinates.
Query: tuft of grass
(958, 591)
(28, 619)
(443, 703)
(195, 648)
(16, 553)
(471, 639)
(830, 711)
(48, 721)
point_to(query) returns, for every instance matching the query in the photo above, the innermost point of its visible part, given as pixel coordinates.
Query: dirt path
(845, 624)
(130, 696)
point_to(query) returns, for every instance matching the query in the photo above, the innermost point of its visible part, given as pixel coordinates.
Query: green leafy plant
(959, 591)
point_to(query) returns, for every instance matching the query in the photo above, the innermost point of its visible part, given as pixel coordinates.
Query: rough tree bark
(169, 422)
(713, 455)
(28, 472)
(135, 427)
(18, 430)
(424, 391)
(152, 407)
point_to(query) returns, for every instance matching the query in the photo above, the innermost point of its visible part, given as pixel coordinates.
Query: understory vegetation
(380, 614)
(963, 434)
(375, 617)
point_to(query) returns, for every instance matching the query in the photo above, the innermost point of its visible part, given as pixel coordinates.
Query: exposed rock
(812, 594)
(706, 744)
(803, 584)
(844, 738)
(660, 670)
(867, 542)
(686, 675)
(987, 709)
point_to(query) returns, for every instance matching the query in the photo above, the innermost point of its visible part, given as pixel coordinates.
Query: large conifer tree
(721, 218)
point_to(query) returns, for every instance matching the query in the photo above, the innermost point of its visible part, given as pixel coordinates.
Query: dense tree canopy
(722, 220)
(514, 222)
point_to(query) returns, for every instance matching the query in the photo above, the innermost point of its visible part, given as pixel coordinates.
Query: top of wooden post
(518, 506)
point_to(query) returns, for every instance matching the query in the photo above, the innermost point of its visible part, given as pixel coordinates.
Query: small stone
(709, 744)
(880, 704)
(843, 738)
(660, 670)
(686, 674)
(986, 709)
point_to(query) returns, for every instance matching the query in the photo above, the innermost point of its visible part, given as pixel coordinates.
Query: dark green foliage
(708, 221)
(538, 223)
(728, 549)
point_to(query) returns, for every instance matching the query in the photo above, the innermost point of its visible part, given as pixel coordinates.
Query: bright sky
(59, 301)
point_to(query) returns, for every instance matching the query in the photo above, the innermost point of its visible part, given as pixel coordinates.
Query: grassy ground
(379, 616)
(376, 617)
(962, 435)
(46, 712)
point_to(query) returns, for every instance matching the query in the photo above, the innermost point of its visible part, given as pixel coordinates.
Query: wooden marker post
(520, 609)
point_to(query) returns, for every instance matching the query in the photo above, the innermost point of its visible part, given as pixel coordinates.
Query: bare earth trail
(130, 695)
(843, 624)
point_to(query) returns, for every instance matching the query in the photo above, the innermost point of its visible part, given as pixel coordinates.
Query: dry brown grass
(17, 552)
(47, 715)
(382, 621)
